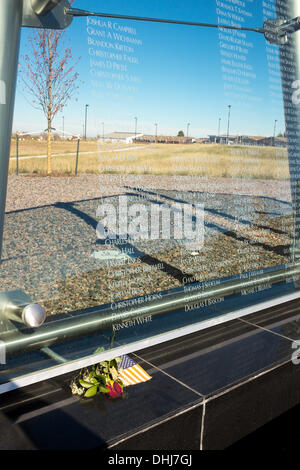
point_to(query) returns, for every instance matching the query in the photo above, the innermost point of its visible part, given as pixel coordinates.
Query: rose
(115, 389)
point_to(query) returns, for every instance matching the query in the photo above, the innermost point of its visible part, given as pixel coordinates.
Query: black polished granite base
(208, 391)
(281, 433)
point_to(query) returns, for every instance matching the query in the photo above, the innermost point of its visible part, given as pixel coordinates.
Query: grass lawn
(157, 159)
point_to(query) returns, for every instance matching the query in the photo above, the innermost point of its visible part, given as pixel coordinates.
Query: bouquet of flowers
(99, 378)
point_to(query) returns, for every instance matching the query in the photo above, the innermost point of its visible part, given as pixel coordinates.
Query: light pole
(228, 125)
(219, 127)
(102, 131)
(135, 131)
(274, 134)
(155, 133)
(85, 126)
(187, 129)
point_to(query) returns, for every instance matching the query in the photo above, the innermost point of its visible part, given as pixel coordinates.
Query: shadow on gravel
(282, 250)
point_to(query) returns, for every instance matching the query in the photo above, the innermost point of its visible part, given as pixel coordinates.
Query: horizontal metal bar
(77, 12)
(71, 366)
(103, 319)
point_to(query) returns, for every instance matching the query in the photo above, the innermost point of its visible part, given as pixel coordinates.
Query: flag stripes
(134, 374)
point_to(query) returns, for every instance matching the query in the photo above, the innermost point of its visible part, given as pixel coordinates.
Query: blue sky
(178, 73)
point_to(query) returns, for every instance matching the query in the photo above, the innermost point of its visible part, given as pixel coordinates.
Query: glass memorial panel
(172, 199)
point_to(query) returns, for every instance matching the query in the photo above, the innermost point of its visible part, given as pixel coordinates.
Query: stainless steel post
(10, 27)
(290, 74)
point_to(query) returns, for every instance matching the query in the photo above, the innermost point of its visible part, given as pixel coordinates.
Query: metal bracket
(17, 306)
(55, 18)
(41, 7)
(278, 31)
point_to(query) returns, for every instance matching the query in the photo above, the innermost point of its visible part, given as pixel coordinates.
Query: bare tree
(49, 76)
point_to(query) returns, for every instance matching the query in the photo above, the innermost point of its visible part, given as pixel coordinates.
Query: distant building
(277, 142)
(163, 139)
(248, 140)
(125, 137)
(222, 139)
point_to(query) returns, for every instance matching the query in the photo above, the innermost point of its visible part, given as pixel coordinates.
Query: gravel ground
(26, 192)
(50, 236)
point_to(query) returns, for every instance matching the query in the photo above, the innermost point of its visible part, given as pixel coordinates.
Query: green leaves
(91, 391)
(85, 384)
(102, 378)
(113, 364)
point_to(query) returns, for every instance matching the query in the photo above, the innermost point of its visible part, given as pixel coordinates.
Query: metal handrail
(102, 319)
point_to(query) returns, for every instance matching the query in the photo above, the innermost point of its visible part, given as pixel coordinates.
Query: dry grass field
(154, 159)
(34, 147)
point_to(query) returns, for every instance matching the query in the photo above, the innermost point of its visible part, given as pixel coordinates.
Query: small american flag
(132, 373)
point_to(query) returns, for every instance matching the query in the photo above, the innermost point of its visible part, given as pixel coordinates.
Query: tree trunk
(49, 144)
(49, 150)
